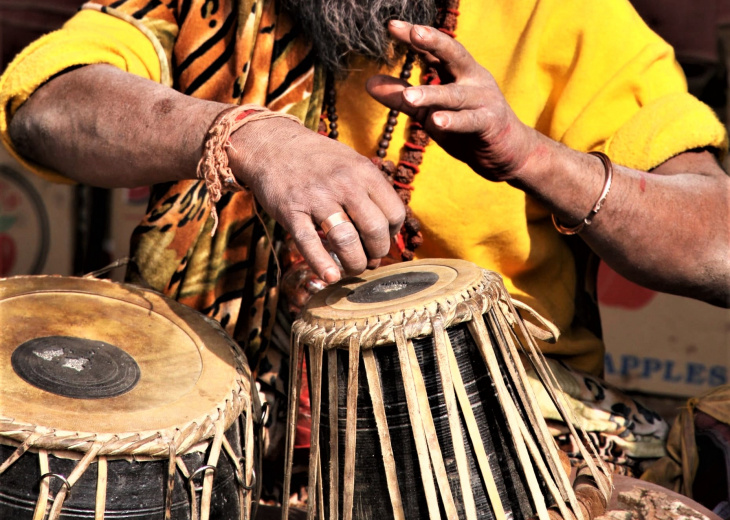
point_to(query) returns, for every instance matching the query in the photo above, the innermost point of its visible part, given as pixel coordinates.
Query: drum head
(85, 355)
(395, 288)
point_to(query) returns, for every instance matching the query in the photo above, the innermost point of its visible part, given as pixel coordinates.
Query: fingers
(371, 225)
(390, 204)
(467, 121)
(457, 108)
(401, 31)
(455, 59)
(376, 214)
(389, 91)
(445, 97)
(306, 179)
(310, 246)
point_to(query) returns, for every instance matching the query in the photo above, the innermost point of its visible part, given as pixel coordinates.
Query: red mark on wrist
(642, 183)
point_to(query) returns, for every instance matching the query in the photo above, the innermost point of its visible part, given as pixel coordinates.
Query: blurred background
(663, 348)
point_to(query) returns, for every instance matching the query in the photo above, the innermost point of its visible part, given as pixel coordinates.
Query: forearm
(104, 127)
(101, 126)
(668, 230)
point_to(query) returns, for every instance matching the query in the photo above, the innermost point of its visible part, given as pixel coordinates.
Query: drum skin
(98, 372)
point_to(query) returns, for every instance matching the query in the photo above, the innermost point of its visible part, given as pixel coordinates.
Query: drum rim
(156, 442)
(479, 287)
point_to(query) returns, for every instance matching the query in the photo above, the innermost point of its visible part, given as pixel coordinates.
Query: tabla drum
(420, 405)
(119, 403)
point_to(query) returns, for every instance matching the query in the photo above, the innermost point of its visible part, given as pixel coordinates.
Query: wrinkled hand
(467, 115)
(301, 178)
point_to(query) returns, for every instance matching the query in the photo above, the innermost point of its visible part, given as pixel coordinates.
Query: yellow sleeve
(90, 37)
(622, 90)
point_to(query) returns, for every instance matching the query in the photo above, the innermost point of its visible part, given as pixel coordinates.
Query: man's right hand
(115, 129)
(301, 178)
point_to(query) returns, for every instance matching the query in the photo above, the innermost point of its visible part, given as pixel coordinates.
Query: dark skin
(668, 230)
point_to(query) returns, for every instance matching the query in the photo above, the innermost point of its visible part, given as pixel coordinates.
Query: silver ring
(200, 470)
(60, 477)
(253, 481)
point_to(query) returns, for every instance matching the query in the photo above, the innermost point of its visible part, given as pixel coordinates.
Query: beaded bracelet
(213, 165)
(608, 167)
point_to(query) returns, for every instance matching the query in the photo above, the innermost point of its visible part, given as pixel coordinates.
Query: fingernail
(441, 120)
(412, 94)
(331, 275)
(397, 24)
(419, 31)
(374, 264)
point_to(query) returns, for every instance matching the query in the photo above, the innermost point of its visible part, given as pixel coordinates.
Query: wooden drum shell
(370, 478)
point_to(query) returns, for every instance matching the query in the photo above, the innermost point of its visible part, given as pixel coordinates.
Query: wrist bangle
(213, 165)
(608, 167)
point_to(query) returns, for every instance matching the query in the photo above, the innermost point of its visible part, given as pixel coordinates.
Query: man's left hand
(467, 115)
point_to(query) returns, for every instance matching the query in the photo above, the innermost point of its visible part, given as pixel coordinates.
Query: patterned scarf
(231, 51)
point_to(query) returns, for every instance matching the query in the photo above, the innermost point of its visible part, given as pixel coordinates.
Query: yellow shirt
(588, 74)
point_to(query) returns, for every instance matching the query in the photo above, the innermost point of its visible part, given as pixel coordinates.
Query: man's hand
(467, 115)
(301, 178)
(151, 134)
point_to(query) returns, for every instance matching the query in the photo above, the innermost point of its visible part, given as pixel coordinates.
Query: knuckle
(303, 237)
(355, 263)
(475, 120)
(344, 237)
(373, 230)
(398, 216)
(485, 116)
(457, 96)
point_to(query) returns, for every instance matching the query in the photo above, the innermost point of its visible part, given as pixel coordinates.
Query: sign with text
(660, 343)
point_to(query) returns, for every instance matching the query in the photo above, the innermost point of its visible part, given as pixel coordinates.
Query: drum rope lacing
(589, 494)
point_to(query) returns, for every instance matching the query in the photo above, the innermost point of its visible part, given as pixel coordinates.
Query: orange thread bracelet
(213, 165)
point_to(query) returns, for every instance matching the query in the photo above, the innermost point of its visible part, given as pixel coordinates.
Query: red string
(404, 186)
(414, 146)
(245, 114)
(410, 165)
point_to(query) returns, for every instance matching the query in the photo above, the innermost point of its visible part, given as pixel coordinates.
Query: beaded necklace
(411, 155)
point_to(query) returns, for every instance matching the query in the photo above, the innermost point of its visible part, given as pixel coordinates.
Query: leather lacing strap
(549, 333)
